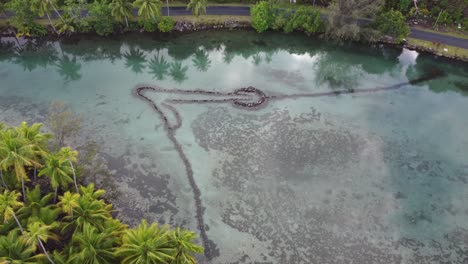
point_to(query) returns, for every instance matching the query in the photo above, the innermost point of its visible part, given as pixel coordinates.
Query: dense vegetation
(47, 217)
(108, 16)
(357, 20)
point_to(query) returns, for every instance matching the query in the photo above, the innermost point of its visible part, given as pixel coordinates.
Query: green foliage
(198, 7)
(13, 249)
(81, 221)
(262, 15)
(404, 5)
(281, 19)
(166, 24)
(306, 19)
(121, 10)
(148, 9)
(393, 23)
(66, 26)
(146, 244)
(101, 17)
(149, 25)
(183, 241)
(24, 18)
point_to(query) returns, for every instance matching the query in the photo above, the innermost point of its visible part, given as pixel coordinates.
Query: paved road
(444, 39)
(245, 11)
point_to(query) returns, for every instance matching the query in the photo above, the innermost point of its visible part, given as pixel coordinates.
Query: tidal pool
(274, 148)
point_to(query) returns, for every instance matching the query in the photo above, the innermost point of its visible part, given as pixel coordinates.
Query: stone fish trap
(249, 98)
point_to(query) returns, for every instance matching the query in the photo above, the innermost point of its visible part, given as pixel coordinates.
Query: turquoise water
(321, 171)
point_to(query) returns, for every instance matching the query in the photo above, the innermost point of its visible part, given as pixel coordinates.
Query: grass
(457, 34)
(439, 49)
(211, 18)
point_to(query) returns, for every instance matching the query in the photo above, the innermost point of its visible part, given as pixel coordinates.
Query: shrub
(166, 24)
(281, 19)
(393, 23)
(465, 24)
(102, 20)
(149, 25)
(305, 18)
(404, 5)
(262, 16)
(24, 16)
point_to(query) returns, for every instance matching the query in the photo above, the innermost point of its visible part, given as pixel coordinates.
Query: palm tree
(198, 6)
(36, 138)
(67, 25)
(8, 204)
(93, 246)
(37, 234)
(13, 249)
(183, 241)
(201, 61)
(178, 73)
(68, 202)
(38, 207)
(148, 9)
(89, 210)
(58, 170)
(71, 156)
(121, 10)
(159, 67)
(17, 153)
(135, 60)
(43, 8)
(146, 244)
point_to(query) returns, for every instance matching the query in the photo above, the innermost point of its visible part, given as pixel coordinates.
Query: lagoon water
(308, 176)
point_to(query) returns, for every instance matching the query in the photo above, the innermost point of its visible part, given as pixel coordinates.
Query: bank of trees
(355, 20)
(101, 16)
(47, 217)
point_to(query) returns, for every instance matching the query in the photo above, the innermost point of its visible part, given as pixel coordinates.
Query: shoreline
(186, 27)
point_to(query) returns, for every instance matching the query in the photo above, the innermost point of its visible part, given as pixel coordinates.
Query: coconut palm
(67, 25)
(59, 171)
(37, 234)
(93, 246)
(89, 193)
(13, 249)
(43, 8)
(178, 72)
(158, 67)
(148, 9)
(36, 138)
(68, 202)
(37, 206)
(70, 155)
(183, 241)
(8, 204)
(201, 60)
(121, 10)
(17, 153)
(91, 211)
(198, 7)
(146, 244)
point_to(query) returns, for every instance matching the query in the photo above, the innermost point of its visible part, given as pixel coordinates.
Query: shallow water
(355, 154)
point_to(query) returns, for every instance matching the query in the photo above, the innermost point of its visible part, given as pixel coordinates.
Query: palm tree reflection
(178, 72)
(68, 68)
(201, 60)
(135, 60)
(159, 67)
